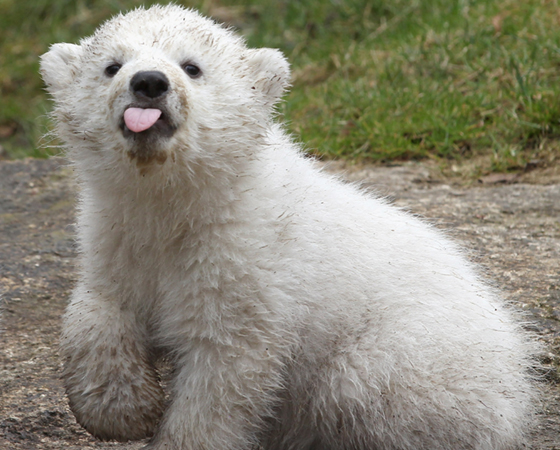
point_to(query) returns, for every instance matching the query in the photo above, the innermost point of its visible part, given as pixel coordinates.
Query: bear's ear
(59, 66)
(269, 72)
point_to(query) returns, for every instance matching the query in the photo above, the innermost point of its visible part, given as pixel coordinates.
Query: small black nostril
(150, 84)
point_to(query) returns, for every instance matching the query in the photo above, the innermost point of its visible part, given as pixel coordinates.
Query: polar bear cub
(297, 312)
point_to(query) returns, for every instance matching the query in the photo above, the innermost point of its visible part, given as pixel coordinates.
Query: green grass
(373, 80)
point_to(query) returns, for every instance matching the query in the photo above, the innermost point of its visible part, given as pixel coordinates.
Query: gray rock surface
(511, 230)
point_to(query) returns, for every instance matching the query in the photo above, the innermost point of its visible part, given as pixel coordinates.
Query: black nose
(151, 84)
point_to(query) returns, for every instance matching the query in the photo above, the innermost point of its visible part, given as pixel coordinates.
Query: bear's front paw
(120, 406)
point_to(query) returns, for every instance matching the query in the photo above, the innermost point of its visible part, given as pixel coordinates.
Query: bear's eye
(112, 70)
(191, 70)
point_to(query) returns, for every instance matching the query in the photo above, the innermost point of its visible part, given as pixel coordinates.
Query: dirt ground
(513, 230)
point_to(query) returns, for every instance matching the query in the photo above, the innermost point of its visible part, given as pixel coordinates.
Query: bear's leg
(112, 388)
(219, 400)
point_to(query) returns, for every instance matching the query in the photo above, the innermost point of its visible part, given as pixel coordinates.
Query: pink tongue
(138, 119)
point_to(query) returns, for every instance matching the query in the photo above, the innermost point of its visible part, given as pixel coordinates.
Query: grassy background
(376, 80)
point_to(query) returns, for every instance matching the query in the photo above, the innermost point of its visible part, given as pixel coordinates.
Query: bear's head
(162, 85)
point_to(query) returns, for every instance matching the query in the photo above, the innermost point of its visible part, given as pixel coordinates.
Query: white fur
(297, 311)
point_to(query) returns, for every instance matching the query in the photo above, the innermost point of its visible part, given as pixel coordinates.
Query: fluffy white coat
(297, 312)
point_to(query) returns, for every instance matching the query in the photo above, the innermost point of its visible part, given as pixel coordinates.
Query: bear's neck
(187, 197)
